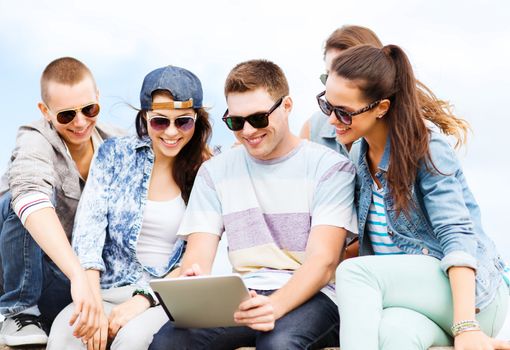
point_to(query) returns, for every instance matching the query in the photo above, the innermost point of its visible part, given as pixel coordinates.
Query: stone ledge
(432, 348)
(5, 347)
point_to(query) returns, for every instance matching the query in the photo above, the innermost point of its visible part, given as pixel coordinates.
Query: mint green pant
(402, 302)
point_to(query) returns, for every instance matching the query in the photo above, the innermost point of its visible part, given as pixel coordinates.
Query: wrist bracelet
(465, 326)
(146, 295)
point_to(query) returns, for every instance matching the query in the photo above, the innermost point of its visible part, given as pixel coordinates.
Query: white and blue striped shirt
(378, 227)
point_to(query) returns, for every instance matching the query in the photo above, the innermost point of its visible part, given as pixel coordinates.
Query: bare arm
(44, 226)
(100, 338)
(462, 281)
(323, 251)
(200, 250)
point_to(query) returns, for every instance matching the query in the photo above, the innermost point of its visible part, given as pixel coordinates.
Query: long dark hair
(387, 73)
(192, 155)
(435, 110)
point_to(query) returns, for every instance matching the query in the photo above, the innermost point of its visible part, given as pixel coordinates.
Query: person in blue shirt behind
(434, 277)
(131, 208)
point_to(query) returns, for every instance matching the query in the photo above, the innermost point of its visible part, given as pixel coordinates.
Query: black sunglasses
(66, 116)
(342, 115)
(257, 120)
(160, 123)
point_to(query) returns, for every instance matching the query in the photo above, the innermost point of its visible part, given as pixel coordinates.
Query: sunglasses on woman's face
(183, 123)
(66, 116)
(257, 120)
(341, 114)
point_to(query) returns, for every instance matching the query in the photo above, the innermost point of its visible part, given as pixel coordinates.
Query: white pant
(135, 335)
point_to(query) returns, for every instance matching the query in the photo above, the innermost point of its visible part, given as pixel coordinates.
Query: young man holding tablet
(286, 206)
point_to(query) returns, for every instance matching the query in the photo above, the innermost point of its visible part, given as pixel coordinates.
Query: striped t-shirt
(377, 225)
(267, 208)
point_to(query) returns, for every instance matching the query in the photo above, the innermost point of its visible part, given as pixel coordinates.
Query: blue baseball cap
(184, 86)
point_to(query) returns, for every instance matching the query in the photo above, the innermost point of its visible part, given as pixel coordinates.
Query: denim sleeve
(92, 215)
(442, 188)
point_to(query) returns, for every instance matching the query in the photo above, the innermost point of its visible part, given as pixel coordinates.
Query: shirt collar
(385, 160)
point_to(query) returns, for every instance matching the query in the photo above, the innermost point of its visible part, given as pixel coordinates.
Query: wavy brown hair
(435, 110)
(387, 74)
(192, 155)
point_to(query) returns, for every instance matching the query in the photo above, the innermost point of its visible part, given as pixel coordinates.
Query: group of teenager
(90, 215)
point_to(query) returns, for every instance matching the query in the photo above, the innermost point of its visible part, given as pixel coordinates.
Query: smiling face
(341, 92)
(169, 142)
(62, 97)
(270, 142)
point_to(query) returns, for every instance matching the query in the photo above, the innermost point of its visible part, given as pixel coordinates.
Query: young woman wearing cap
(435, 273)
(125, 229)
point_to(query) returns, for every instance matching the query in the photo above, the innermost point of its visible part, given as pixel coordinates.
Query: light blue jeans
(402, 302)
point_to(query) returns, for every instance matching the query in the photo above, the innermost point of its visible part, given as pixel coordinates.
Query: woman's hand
(477, 340)
(125, 312)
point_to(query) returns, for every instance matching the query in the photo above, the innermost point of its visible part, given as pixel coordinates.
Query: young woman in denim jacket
(317, 128)
(435, 273)
(125, 229)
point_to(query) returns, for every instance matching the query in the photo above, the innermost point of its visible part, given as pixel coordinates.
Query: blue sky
(460, 49)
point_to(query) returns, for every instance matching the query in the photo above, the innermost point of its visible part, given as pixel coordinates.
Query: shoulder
(442, 153)
(438, 141)
(37, 137)
(229, 157)
(107, 130)
(122, 145)
(321, 153)
(325, 160)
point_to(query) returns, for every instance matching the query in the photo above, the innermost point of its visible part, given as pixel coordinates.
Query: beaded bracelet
(465, 326)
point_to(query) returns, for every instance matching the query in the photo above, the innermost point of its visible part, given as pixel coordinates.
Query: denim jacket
(110, 214)
(444, 219)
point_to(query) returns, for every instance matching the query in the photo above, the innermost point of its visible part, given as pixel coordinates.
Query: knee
(347, 267)
(351, 272)
(395, 334)
(127, 339)
(61, 335)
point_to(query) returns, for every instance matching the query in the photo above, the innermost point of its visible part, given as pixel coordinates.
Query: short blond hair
(64, 70)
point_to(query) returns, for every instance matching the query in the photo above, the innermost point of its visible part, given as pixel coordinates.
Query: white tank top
(158, 234)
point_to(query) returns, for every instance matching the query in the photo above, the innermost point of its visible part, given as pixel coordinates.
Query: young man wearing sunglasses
(40, 193)
(286, 206)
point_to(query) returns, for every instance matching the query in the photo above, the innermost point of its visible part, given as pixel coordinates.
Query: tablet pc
(201, 301)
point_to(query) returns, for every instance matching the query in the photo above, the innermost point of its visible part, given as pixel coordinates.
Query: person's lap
(136, 334)
(313, 325)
